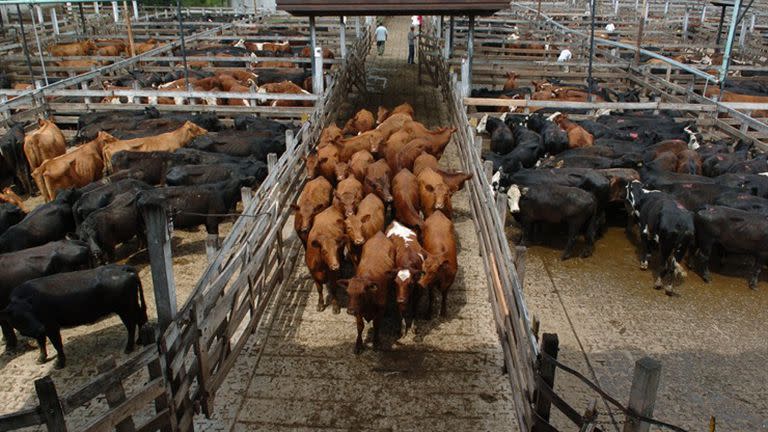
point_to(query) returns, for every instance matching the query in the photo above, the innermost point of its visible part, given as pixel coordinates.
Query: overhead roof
(392, 7)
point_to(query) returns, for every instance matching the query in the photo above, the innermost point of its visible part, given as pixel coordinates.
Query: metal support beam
(54, 21)
(115, 12)
(40, 17)
(313, 47)
(82, 19)
(24, 42)
(729, 44)
(640, 29)
(135, 10)
(96, 8)
(342, 38)
(451, 33)
(470, 51)
(590, 84)
(39, 48)
(720, 30)
(183, 47)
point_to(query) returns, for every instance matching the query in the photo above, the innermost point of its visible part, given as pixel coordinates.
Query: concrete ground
(300, 374)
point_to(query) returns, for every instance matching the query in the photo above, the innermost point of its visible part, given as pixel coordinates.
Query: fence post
(135, 10)
(50, 406)
(54, 21)
(550, 345)
(520, 254)
(685, 25)
(115, 12)
(115, 395)
(317, 77)
(464, 78)
(642, 395)
(96, 8)
(161, 262)
(342, 38)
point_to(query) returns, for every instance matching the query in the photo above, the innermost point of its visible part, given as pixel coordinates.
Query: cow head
(311, 161)
(381, 187)
(89, 46)
(441, 194)
(514, 193)
(483, 124)
(431, 267)
(382, 115)
(329, 248)
(346, 202)
(194, 130)
(405, 280)
(375, 139)
(360, 291)
(354, 228)
(341, 170)
(308, 212)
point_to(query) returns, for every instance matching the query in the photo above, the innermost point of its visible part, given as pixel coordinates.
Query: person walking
(381, 38)
(412, 35)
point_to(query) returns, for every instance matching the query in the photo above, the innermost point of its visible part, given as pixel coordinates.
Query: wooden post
(470, 53)
(451, 32)
(115, 395)
(743, 34)
(342, 38)
(703, 14)
(317, 71)
(290, 141)
(115, 12)
(312, 46)
(246, 195)
(211, 246)
(685, 25)
(520, 254)
(40, 17)
(271, 162)
(357, 27)
(550, 345)
(642, 395)
(50, 406)
(488, 170)
(135, 10)
(465, 78)
(96, 7)
(501, 207)
(640, 28)
(129, 28)
(161, 262)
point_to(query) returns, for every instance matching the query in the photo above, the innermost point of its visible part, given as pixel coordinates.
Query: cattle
(511, 82)
(694, 196)
(527, 152)
(502, 140)
(577, 135)
(618, 180)
(163, 142)
(370, 141)
(363, 121)
(74, 169)
(754, 184)
(187, 175)
(46, 142)
(330, 135)
(377, 180)
(193, 206)
(757, 165)
(151, 167)
(249, 143)
(284, 87)
(666, 222)
(409, 267)
(406, 198)
(251, 122)
(440, 265)
(110, 226)
(90, 124)
(327, 159)
(391, 125)
(81, 48)
(721, 163)
(41, 307)
(314, 198)
(743, 201)
(13, 164)
(384, 113)
(736, 231)
(273, 75)
(325, 243)
(369, 289)
(361, 226)
(425, 160)
(22, 266)
(102, 196)
(150, 44)
(358, 164)
(434, 193)
(46, 223)
(555, 204)
(436, 140)
(10, 197)
(554, 139)
(10, 215)
(347, 196)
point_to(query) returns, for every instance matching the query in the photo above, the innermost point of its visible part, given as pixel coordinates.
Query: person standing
(412, 35)
(381, 38)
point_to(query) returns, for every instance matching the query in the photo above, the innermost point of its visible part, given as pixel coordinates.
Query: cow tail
(142, 303)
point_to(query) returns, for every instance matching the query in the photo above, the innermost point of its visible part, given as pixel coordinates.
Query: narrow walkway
(446, 377)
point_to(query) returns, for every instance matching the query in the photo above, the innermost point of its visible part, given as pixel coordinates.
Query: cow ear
(322, 160)
(429, 188)
(365, 218)
(315, 244)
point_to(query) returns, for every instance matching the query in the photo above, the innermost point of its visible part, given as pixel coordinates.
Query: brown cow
(74, 169)
(618, 179)
(405, 157)
(409, 264)
(358, 164)
(168, 141)
(45, 143)
(330, 135)
(325, 242)
(688, 162)
(150, 44)
(110, 50)
(454, 180)
(728, 96)
(348, 194)
(440, 265)
(314, 198)
(368, 290)
(385, 113)
(577, 135)
(81, 48)
(327, 159)
(405, 194)
(9, 196)
(365, 141)
(511, 82)
(377, 180)
(411, 130)
(425, 160)
(284, 87)
(363, 121)
(342, 171)
(310, 167)
(77, 64)
(363, 225)
(391, 125)
(434, 193)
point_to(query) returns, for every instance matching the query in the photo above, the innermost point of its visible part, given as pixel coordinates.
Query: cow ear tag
(473, 122)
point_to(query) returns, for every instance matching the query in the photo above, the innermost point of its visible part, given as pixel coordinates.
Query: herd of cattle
(378, 202)
(55, 258)
(687, 196)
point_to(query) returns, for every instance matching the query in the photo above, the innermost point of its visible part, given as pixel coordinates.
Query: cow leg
(55, 336)
(320, 298)
(10, 337)
(590, 235)
(430, 299)
(756, 267)
(43, 356)
(130, 326)
(645, 248)
(360, 327)
(573, 231)
(703, 253)
(444, 303)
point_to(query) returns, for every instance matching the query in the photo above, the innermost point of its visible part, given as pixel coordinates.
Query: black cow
(13, 162)
(49, 222)
(743, 201)
(43, 306)
(721, 163)
(585, 160)
(751, 183)
(694, 196)
(5, 82)
(102, 196)
(192, 206)
(187, 175)
(556, 204)
(555, 140)
(666, 222)
(658, 179)
(21, 266)
(151, 166)
(10, 215)
(252, 122)
(114, 224)
(757, 165)
(256, 144)
(502, 140)
(275, 75)
(90, 124)
(736, 231)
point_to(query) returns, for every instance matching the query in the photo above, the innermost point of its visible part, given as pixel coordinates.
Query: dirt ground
(88, 346)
